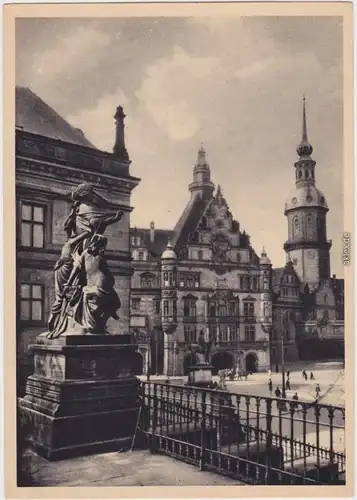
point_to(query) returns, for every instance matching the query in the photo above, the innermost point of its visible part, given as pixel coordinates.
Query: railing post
(269, 439)
(203, 431)
(154, 421)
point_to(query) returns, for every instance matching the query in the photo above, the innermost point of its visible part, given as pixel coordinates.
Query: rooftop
(35, 116)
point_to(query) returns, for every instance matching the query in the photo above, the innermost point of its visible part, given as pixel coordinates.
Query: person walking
(287, 385)
(318, 390)
(296, 397)
(303, 373)
(277, 392)
(270, 384)
(269, 373)
(288, 374)
(312, 376)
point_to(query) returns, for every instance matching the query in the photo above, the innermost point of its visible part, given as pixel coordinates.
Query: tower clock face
(294, 200)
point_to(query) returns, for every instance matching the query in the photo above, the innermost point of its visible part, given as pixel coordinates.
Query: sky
(234, 84)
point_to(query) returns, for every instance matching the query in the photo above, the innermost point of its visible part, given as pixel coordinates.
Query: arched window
(325, 299)
(296, 226)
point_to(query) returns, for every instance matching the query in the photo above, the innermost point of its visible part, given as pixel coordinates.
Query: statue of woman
(84, 220)
(58, 321)
(98, 300)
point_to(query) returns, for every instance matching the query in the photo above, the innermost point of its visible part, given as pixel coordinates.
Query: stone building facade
(52, 158)
(203, 277)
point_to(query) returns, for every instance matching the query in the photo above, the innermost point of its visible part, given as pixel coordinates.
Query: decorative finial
(304, 148)
(201, 157)
(119, 148)
(264, 254)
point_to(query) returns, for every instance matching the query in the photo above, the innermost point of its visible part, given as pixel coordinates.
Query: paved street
(330, 377)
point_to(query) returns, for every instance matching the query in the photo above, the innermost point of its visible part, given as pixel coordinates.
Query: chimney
(152, 231)
(119, 146)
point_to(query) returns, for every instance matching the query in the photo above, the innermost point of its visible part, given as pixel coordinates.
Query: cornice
(38, 168)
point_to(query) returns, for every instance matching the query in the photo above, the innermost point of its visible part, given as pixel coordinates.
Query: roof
(189, 220)
(161, 238)
(35, 116)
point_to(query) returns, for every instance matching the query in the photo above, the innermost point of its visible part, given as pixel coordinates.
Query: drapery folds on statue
(84, 284)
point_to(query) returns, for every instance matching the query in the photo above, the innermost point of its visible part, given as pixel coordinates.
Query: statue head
(97, 244)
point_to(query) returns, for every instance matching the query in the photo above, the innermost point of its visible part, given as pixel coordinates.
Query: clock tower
(306, 209)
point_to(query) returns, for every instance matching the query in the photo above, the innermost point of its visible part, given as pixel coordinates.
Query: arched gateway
(251, 362)
(222, 361)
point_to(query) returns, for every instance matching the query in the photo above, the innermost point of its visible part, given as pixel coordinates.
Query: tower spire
(201, 184)
(304, 148)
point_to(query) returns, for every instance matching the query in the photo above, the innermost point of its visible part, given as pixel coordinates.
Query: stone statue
(201, 353)
(82, 259)
(98, 301)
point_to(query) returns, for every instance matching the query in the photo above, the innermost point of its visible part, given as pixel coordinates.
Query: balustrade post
(154, 421)
(203, 431)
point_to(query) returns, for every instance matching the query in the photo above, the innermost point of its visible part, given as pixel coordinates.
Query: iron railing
(257, 440)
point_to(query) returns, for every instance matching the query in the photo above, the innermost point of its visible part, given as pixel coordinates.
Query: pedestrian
(288, 374)
(246, 375)
(312, 376)
(296, 397)
(303, 374)
(270, 384)
(287, 385)
(269, 373)
(277, 392)
(318, 390)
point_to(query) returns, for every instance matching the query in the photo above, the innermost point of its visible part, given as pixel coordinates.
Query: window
(233, 333)
(222, 309)
(325, 299)
(190, 333)
(249, 333)
(31, 297)
(246, 283)
(238, 257)
(135, 304)
(166, 307)
(157, 306)
(241, 283)
(189, 308)
(211, 309)
(141, 256)
(325, 315)
(223, 330)
(248, 309)
(255, 283)
(190, 281)
(147, 281)
(197, 281)
(32, 225)
(200, 255)
(182, 279)
(232, 308)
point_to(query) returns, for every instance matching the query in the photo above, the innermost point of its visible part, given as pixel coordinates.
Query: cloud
(167, 88)
(97, 122)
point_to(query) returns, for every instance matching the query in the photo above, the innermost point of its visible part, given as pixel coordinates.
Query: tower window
(166, 307)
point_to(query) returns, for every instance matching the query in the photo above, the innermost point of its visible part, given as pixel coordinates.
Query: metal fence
(257, 440)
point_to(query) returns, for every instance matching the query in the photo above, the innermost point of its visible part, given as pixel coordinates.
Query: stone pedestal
(200, 375)
(83, 396)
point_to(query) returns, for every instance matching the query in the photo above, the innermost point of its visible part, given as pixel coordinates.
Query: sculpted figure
(98, 300)
(86, 219)
(58, 321)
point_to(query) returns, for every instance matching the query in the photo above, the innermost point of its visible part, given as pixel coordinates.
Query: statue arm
(77, 266)
(80, 237)
(113, 218)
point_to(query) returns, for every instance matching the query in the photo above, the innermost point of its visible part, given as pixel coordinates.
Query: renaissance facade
(204, 278)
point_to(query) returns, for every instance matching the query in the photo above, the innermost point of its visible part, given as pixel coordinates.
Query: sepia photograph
(182, 248)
